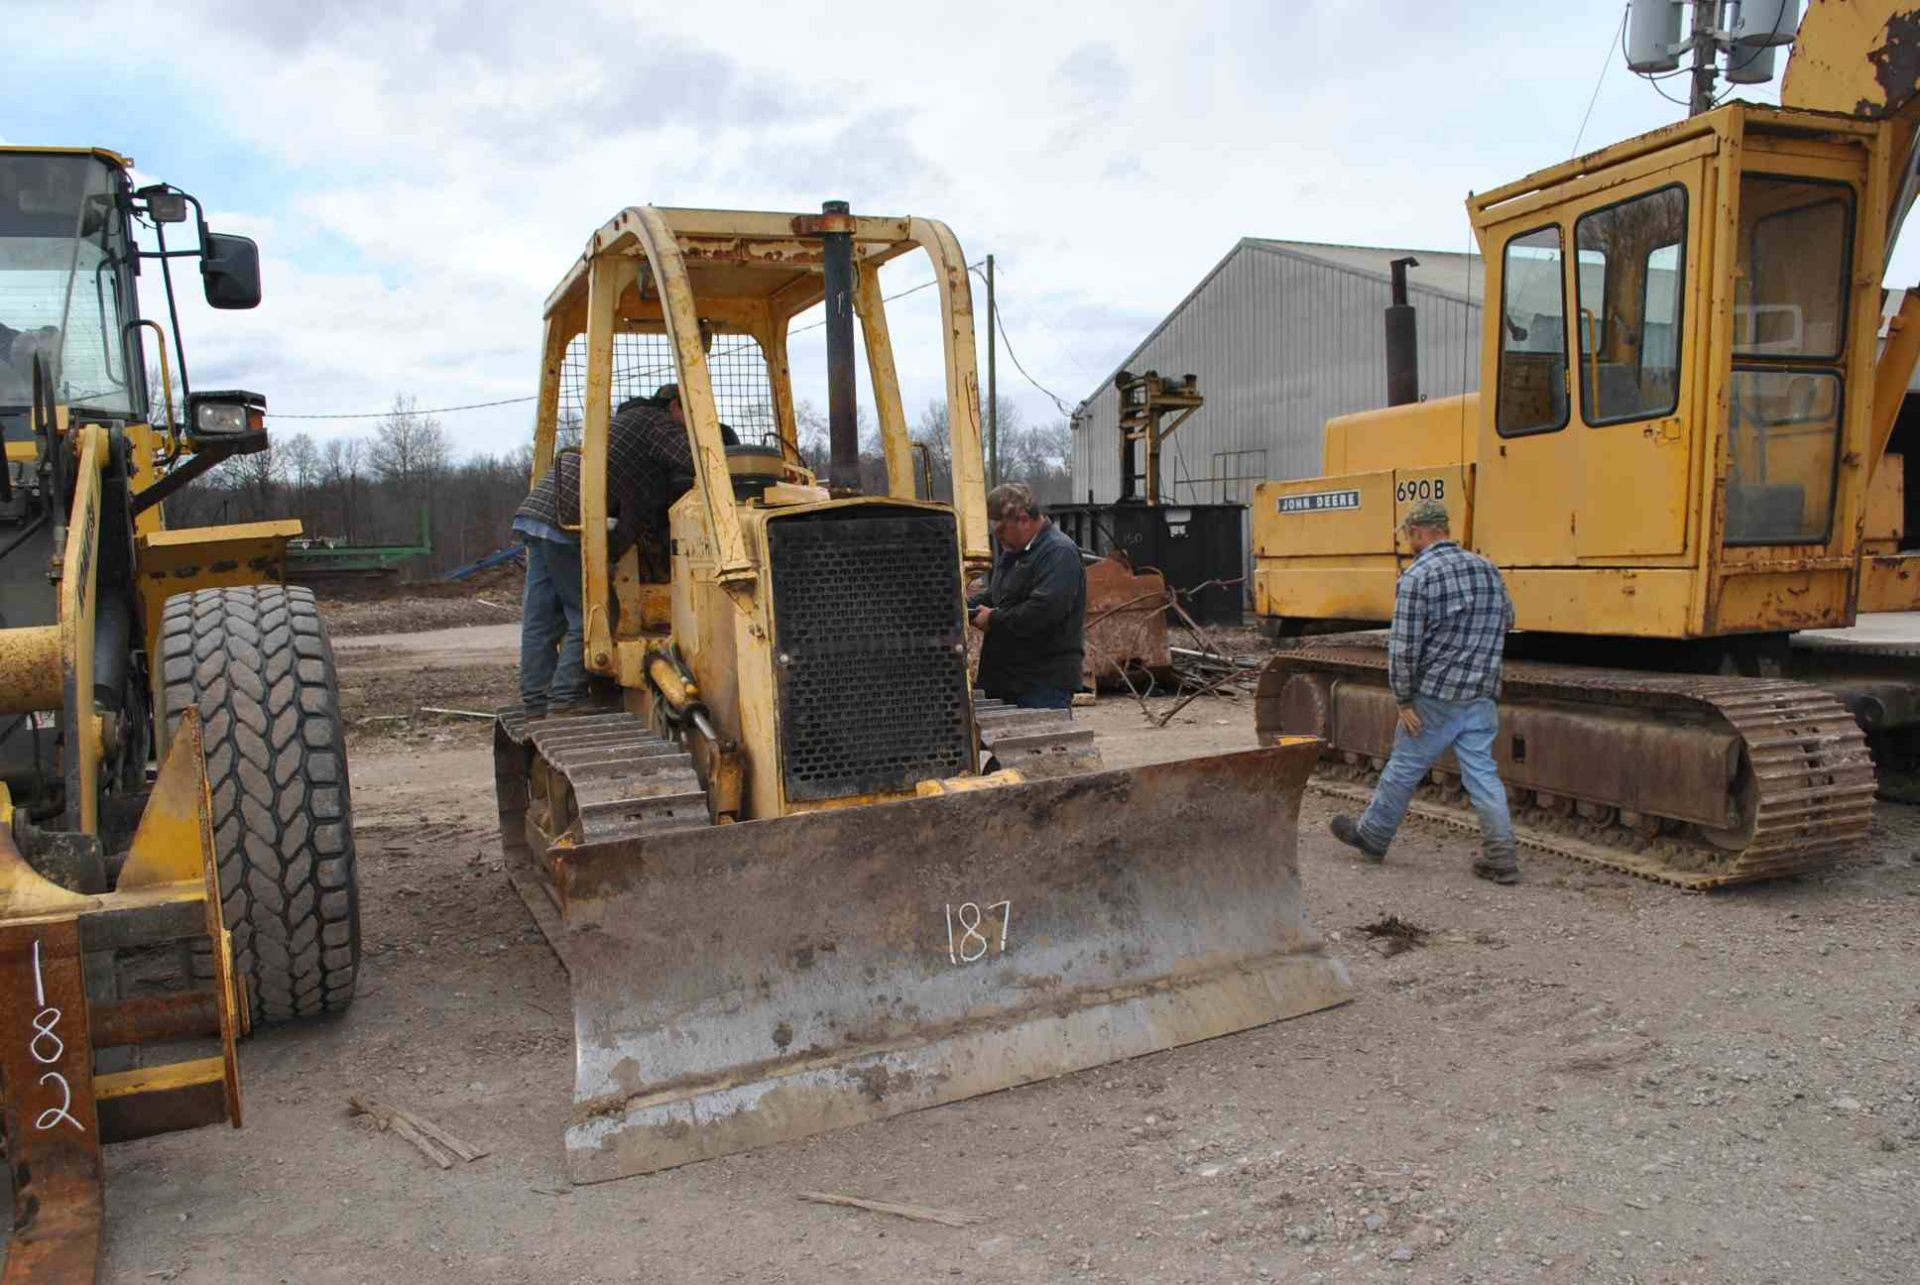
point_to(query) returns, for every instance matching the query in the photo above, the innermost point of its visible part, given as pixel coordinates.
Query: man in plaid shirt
(1451, 616)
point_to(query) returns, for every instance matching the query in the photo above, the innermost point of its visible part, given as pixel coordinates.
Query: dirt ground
(1582, 1078)
(417, 608)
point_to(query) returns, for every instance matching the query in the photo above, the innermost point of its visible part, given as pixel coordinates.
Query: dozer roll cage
(693, 274)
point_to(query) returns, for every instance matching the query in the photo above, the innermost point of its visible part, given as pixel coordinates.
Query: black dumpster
(1192, 545)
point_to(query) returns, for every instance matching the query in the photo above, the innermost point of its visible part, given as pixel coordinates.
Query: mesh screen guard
(870, 656)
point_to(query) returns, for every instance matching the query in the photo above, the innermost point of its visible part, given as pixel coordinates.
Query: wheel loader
(800, 875)
(1678, 459)
(176, 852)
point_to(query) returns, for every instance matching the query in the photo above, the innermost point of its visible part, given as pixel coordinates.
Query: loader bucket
(744, 984)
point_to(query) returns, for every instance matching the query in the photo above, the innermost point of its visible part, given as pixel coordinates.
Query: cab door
(1633, 283)
(1528, 467)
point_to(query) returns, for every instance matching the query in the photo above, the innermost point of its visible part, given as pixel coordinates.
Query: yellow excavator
(800, 876)
(176, 849)
(1679, 458)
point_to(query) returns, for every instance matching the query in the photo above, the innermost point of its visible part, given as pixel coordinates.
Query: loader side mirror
(230, 271)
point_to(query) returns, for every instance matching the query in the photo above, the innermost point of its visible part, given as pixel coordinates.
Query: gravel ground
(1583, 1078)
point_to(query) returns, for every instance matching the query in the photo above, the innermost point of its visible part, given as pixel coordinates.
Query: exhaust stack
(1403, 352)
(843, 429)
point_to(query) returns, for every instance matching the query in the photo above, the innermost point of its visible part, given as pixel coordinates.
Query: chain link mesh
(641, 363)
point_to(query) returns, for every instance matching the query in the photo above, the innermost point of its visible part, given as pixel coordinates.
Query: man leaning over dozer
(1034, 611)
(1451, 616)
(649, 466)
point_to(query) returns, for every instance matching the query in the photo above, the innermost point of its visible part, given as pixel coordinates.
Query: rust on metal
(887, 958)
(52, 1129)
(57, 1110)
(1126, 622)
(180, 1016)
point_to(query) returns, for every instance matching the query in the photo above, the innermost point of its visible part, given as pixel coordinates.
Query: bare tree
(409, 448)
(1040, 457)
(930, 431)
(341, 466)
(253, 479)
(302, 462)
(159, 413)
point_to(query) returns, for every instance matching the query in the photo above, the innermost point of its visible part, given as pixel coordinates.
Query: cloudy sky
(419, 173)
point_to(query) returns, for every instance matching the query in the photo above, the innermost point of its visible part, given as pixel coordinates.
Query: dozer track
(1038, 743)
(592, 780)
(1698, 781)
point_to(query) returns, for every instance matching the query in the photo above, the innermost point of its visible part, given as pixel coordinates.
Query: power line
(1065, 347)
(1605, 63)
(1000, 324)
(436, 410)
(515, 401)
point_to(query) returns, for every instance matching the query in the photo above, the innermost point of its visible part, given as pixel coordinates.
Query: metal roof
(1446, 273)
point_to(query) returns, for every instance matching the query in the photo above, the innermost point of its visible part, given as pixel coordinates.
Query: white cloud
(448, 160)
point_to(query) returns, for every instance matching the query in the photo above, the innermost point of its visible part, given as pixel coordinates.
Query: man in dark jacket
(1034, 611)
(649, 466)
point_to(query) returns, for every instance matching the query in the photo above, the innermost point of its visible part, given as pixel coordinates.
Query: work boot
(1347, 831)
(1498, 862)
(573, 709)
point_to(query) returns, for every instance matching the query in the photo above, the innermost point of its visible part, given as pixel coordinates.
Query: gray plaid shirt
(649, 466)
(1451, 615)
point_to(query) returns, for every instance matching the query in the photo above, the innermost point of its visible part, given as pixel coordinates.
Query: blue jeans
(552, 670)
(1466, 727)
(1044, 698)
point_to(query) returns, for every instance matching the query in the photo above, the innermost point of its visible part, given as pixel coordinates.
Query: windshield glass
(63, 255)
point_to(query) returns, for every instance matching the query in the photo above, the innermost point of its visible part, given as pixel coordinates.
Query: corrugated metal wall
(1281, 342)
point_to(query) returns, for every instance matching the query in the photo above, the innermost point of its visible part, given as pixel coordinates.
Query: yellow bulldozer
(1678, 459)
(800, 875)
(176, 849)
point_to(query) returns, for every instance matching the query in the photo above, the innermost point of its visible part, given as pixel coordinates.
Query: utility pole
(993, 393)
(1705, 47)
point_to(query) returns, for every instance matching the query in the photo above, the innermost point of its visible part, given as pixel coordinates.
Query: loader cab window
(65, 283)
(1532, 397)
(1632, 264)
(1785, 407)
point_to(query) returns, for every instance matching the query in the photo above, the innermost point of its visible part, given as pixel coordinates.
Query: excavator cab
(1678, 458)
(800, 875)
(1641, 290)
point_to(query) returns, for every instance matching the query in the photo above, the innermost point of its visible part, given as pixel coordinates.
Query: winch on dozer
(801, 877)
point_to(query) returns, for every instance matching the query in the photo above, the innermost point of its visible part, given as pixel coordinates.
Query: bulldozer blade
(739, 985)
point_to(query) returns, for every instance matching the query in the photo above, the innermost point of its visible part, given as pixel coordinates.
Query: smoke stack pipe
(843, 430)
(1403, 352)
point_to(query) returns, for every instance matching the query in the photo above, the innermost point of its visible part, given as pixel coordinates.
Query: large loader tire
(256, 663)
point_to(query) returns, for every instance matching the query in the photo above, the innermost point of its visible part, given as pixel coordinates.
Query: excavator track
(1697, 781)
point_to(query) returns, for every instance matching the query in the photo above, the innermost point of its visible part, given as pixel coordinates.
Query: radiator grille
(870, 652)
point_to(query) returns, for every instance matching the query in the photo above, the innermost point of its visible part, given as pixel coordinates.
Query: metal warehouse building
(1283, 335)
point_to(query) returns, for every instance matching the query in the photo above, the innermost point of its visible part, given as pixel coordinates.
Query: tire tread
(256, 663)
